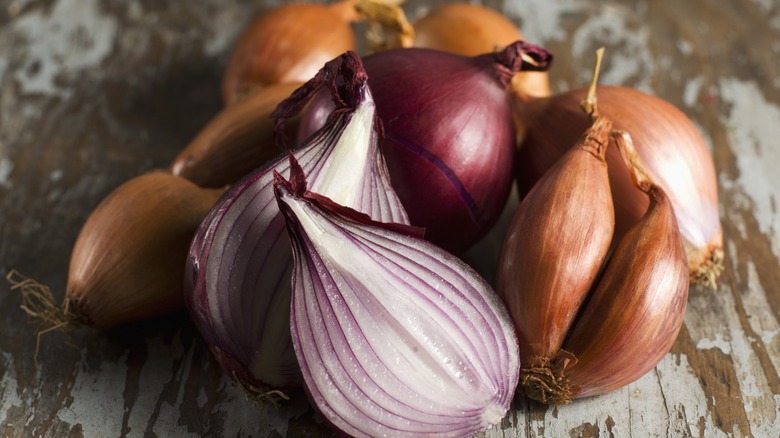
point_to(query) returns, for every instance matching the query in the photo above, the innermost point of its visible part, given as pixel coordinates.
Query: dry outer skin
(93, 93)
(546, 267)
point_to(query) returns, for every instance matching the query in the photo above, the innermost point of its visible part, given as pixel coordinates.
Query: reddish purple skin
(450, 140)
(454, 175)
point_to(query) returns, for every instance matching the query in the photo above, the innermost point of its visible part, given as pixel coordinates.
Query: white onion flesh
(395, 336)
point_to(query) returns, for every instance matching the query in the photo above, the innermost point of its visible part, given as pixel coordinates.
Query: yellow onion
(288, 43)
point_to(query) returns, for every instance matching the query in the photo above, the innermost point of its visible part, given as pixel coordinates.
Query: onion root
(544, 379)
(39, 304)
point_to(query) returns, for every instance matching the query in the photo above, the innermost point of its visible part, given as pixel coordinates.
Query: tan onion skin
(672, 148)
(471, 30)
(128, 260)
(634, 315)
(237, 140)
(556, 244)
(288, 43)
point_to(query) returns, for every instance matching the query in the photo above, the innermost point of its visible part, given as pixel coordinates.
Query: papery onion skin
(128, 260)
(450, 139)
(395, 337)
(239, 139)
(288, 43)
(634, 315)
(238, 272)
(672, 148)
(556, 245)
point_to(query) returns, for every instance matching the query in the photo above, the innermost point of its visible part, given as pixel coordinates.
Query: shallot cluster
(313, 227)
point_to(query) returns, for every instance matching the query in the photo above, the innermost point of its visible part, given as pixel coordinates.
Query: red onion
(238, 272)
(395, 337)
(670, 145)
(450, 135)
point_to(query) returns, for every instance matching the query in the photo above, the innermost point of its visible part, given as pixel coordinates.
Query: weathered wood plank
(93, 93)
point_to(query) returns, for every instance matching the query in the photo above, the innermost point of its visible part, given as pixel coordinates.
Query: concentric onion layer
(239, 267)
(394, 335)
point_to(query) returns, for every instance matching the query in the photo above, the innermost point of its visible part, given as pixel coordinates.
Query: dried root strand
(708, 272)
(39, 304)
(544, 379)
(260, 396)
(388, 26)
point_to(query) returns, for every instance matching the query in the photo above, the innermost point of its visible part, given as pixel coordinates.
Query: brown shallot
(237, 140)
(671, 147)
(288, 43)
(128, 261)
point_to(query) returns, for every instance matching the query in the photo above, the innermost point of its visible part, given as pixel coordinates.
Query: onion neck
(345, 9)
(516, 57)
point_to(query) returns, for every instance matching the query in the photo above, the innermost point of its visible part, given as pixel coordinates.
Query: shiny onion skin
(449, 136)
(239, 139)
(556, 245)
(471, 29)
(462, 28)
(288, 43)
(670, 145)
(128, 260)
(237, 280)
(633, 315)
(395, 337)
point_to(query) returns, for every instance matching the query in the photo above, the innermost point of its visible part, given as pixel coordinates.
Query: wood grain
(93, 93)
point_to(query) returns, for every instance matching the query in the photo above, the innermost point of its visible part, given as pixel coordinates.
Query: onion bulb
(237, 282)
(128, 260)
(288, 43)
(239, 139)
(466, 29)
(632, 314)
(450, 139)
(395, 337)
(546, 267)
(672, 148)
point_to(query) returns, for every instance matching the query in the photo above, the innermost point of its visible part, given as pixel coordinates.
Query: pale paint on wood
(731, 336)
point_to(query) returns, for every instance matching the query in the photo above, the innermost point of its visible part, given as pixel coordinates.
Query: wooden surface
(93, 93)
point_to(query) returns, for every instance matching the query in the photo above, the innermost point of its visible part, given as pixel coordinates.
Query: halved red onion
(450, 135)
(395, 336)
(238, 272)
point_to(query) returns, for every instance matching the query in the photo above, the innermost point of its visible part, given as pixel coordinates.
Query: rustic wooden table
(93, 93)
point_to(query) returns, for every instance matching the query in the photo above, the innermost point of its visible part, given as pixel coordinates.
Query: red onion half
(238, 271)
(395, 337)
(450, 138)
